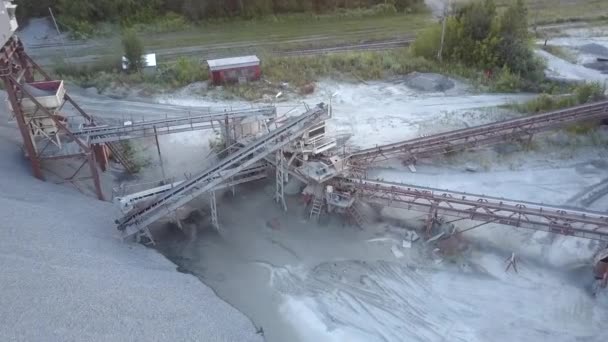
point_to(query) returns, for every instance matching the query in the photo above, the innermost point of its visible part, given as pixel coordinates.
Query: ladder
(213, 206)
(281, 177)
(118, 153)
(119, 156)
(317, 207)
(354, 212)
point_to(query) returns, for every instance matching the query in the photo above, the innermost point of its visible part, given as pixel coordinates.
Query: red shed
(234, 69)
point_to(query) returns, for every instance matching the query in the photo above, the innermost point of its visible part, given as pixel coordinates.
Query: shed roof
(233, 62)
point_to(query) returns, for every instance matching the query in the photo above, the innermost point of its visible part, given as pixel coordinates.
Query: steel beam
(221, 172)
(136, 130)
(476, 136)
(554, 219)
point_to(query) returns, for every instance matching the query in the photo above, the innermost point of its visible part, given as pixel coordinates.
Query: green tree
(133, 50)
(478, 36)
(514, 48)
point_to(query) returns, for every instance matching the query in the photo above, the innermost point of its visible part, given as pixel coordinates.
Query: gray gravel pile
(594, 49)
(428, 82)
(66, 276)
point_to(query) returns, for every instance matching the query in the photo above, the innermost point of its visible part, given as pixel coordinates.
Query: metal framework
(221, 172)
(128, 196)
(558, 220)
(281, 175)
(103, 134)
(213, 206)
(488, 134)
(18, 69)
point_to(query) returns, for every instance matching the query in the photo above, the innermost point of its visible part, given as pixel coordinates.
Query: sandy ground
(575, 41)
(378, 113)
(67, 277)
(331, 282)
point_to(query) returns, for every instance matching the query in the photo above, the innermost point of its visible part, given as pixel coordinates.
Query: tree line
(143, 10)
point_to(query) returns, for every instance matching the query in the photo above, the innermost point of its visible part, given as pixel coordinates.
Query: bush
(133, 50)
(181, 73)
(361, 65)
(589, 92)
(579, 94)
(169, 23)
(506, 81)
(480, 37)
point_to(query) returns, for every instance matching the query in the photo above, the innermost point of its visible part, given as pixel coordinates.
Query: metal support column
(28, 140)
(227, 137)
(160, 156)
(432, 218)
(280, 180)
(95, 175)
(213, 205)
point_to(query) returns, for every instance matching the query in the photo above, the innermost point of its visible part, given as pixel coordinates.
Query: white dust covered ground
(377, 113)
(66, 276)
(586, 45)
(333, 282)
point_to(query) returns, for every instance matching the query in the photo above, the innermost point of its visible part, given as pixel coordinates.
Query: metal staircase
(317, 207)
(220, 172)
(281, 178)
(119, 155)
(355, 212)
(213, 207)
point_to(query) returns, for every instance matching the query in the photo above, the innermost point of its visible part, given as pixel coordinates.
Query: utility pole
(445, 18)
(65, 51)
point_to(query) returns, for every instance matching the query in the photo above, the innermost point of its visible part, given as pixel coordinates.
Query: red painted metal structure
(483, 135)
(558, 220)
(19, 72)
(233, 70)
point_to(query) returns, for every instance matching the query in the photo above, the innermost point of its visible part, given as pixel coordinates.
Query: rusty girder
(564, 221)
(16, 69)
(488, 134)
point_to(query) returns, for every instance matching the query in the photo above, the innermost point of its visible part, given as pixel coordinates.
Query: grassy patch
(296, 71)
(350, 65)
(560, 52)
(107, 73)
(559, 11)
(171, 22)
(304, 30)
(578, 95)
(171, 37)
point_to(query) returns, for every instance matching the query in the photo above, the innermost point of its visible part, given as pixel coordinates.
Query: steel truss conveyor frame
(222, 171)
(554, 219)
(254, 172)
(487, 134)
(104, 134)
